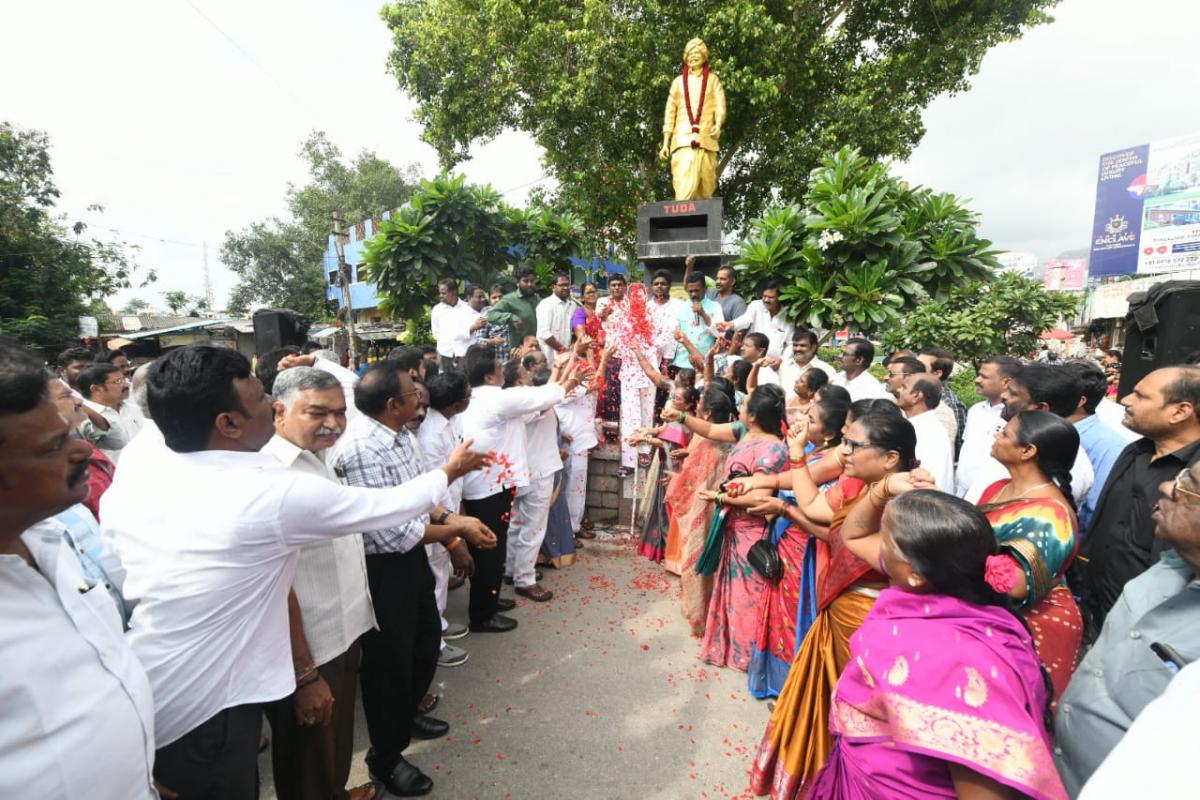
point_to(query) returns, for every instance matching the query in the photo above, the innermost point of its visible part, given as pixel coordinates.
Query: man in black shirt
(1120, 542)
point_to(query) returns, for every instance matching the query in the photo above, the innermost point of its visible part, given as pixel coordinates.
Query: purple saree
(932, 681)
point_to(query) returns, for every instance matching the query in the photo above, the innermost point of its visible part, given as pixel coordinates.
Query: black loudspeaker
(1161, 329)
(278, 327)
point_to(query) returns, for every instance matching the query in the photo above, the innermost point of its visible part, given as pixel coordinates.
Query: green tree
(588, 81)
(452, 228)
(976, 320)
(864, 248)
(176, 300)
(135, 306)
(280, 261)
(49, 273)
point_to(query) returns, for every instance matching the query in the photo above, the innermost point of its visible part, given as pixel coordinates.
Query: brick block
(605, 483)
(610, 500)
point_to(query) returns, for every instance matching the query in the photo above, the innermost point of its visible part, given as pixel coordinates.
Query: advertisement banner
(1066, 274)
(1148, 209)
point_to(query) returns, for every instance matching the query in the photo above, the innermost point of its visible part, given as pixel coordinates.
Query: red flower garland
(687, 101)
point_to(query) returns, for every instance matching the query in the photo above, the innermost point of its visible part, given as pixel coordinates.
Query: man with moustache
(104, 390)
(209, 530)
(329, 609)
(78, 716)
(518, 309)
(400, 658)
(1150, 633)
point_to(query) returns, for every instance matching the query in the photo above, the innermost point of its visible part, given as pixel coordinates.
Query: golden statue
(692, 125)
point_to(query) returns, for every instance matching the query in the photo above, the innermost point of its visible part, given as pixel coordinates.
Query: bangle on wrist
(453, 543)
(682, 417)
(312, 678)
(302, 673)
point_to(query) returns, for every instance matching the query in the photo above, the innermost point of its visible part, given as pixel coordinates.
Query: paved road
(598, 694)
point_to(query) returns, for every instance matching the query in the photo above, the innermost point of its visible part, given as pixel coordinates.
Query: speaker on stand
(1161, 329)
(278, 327)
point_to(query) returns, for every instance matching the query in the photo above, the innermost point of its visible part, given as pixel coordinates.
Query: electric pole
(340, 237)
(208, 289)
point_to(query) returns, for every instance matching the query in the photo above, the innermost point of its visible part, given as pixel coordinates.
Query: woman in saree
(737, 588)
(790, 604)
(797, 740)
(1033, 515)
(667, 440)
(944, 696)
(701, 470)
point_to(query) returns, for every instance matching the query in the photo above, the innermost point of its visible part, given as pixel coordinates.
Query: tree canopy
(49, 274)
(589, 82)
(279, 262)
(864, 248)
(977, 320)
(450, 228)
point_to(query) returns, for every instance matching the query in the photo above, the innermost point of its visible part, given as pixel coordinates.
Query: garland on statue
(687, 101)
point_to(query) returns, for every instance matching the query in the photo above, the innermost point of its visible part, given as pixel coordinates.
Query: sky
(183, 118)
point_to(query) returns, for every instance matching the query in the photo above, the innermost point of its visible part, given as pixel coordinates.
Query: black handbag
(764, 557)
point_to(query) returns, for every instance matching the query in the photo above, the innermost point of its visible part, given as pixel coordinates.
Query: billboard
(1066, 274)
(1148, 209)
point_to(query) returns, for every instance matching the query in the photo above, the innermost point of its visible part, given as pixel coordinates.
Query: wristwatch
(442, 519)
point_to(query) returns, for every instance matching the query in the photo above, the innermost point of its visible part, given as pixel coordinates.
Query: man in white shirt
(554, 317)
(1039, 387)
(766, 316)
(984, 419)
(919, 396)
(329, 608)
(755, 348)
(453, 323)
(635, 389)
(78, 719)
(495, 420)
(104, 391)
(664, 312)
(803, 357)
(449, 396)
(577, 416)
(531, 506)
(898, 369)
(209, 530)
(857, 356)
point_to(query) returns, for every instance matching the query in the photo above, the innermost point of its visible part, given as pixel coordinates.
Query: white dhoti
(439, 562)
(577, 488)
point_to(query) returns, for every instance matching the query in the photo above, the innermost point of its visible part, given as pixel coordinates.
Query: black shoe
(403, 780)
(505, 604)
(497, 623)
(426, 727)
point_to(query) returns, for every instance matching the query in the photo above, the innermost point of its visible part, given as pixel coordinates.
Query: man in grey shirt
(732, 303)
(1150, 634)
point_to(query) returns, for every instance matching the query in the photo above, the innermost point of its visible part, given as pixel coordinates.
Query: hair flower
(1002, 573)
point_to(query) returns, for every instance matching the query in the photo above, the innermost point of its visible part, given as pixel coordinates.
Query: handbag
(764, 557)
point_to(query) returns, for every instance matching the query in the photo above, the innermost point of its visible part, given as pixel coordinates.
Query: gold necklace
(1027, 491)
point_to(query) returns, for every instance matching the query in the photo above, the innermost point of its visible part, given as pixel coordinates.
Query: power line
(246, 53)
(545, 175)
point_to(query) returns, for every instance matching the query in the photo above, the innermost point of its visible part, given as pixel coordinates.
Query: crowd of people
(993, 601)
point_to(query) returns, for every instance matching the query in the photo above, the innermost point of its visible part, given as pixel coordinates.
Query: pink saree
(934, 681)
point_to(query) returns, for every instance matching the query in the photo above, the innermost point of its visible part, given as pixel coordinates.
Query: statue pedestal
(671, 230)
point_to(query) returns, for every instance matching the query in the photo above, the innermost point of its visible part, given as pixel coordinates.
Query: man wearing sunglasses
(105, 390)
(1150, 635)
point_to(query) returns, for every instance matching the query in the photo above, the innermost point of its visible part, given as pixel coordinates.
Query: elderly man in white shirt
(857, 356)
(209, 530)
(554, 317)
(453, 324)
(78, 719)
(329, 608)
(495, 420)
(919, 396)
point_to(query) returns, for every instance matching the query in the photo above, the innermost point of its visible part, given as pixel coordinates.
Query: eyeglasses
(117, 382)
(851, 445)
(1176, 489)
(403, 395)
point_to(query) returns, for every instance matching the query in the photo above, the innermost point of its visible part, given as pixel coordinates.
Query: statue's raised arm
(692, 125)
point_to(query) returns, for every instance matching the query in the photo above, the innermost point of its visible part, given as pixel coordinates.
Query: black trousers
(400, 658)
(494, 512)
(216, 760)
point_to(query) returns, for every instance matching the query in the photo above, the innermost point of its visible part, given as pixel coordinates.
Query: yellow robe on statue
(694, 169)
